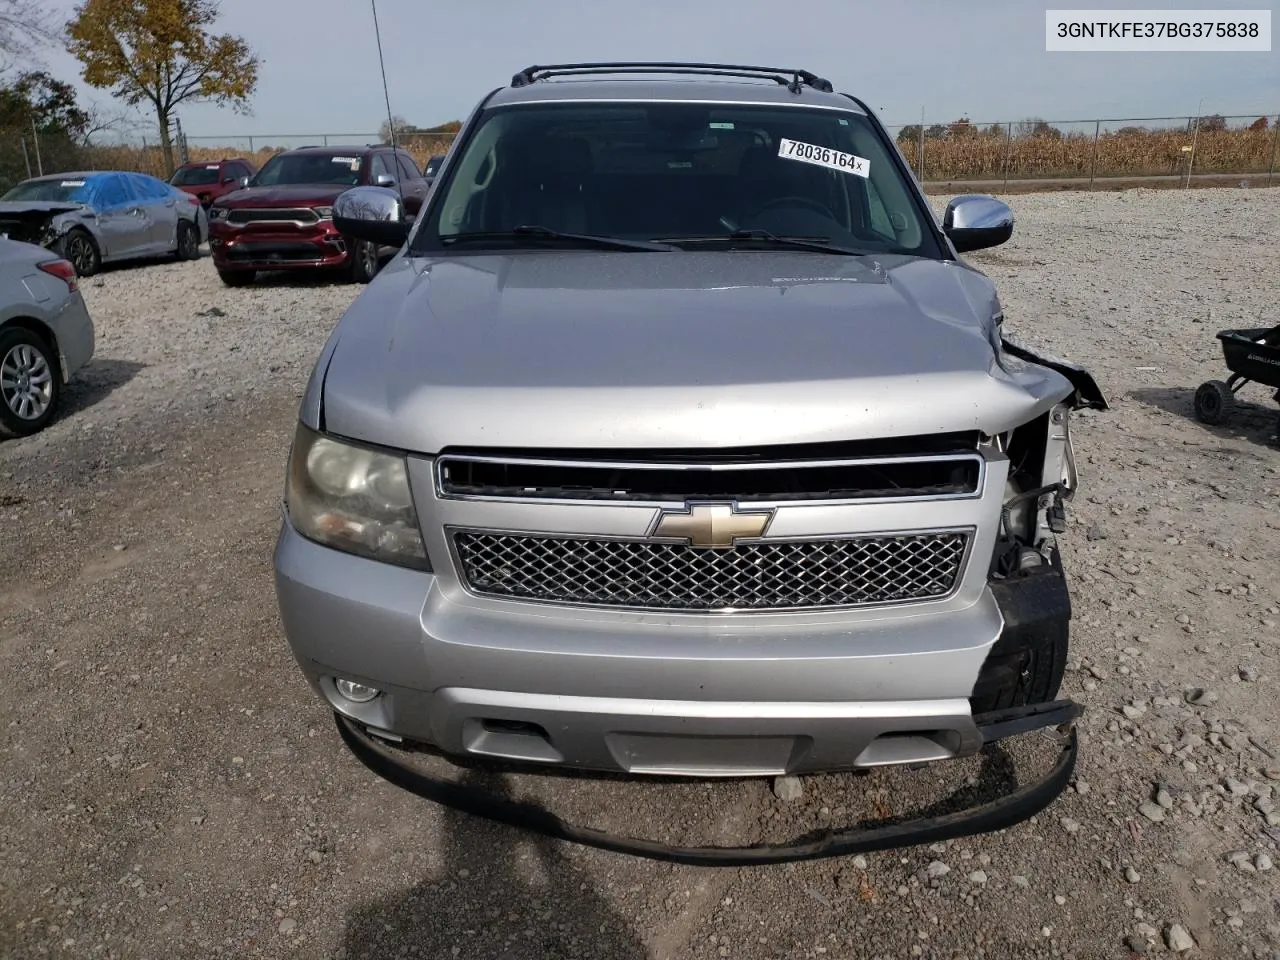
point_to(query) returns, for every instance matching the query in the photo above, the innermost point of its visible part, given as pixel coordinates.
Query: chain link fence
(1092, 150)
(1074, 153)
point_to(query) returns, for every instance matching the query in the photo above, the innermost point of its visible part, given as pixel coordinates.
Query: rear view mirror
(375, 214)
(384, 180)
(243, 182)
(976, 221)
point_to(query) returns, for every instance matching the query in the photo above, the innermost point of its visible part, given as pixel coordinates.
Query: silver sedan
(46, 335)
(98, 217)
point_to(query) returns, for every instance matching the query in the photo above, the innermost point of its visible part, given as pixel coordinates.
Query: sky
(984, 59)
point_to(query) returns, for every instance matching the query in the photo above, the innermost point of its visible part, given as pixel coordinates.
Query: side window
(408, 169)
(148, 189)
(880, 221)
(112, 192)
(379, 168)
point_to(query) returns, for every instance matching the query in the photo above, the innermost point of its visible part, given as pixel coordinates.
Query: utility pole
(35, 139)
(921, 140)
(1275, 146)
(1194, 137)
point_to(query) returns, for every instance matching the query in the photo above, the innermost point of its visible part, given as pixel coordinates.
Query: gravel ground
(173, 789)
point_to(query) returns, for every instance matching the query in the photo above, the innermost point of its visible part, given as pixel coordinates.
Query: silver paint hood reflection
(705, 349)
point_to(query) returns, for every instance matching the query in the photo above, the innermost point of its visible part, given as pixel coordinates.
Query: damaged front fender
(43, 223)
(1087, 393)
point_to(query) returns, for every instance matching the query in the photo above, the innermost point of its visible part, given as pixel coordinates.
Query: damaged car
(679, 440)
(104, 216)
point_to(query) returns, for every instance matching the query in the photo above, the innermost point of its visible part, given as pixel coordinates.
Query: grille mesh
(260, 214)
(764, 575)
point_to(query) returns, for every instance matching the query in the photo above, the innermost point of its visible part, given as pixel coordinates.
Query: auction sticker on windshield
(824, 157)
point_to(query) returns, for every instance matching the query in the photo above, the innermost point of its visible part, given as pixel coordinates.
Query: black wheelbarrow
(1251, 355)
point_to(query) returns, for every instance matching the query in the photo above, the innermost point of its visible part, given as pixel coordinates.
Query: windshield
(52, 190)
(290, 168)
(194, 176)
(679, 172)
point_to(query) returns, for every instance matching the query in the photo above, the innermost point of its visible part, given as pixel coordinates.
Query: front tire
(188, 242)
(78, 247)
(238, 278)
(364, 261)
(30, 383)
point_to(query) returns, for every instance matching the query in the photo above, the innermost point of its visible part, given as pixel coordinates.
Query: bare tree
(25, 26)
(111, 122)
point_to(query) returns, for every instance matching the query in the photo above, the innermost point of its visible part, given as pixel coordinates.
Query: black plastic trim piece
(1014, 807)
(800, 78)
(1087, 392)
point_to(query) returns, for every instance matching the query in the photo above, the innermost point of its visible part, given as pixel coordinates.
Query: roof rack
(799, 79)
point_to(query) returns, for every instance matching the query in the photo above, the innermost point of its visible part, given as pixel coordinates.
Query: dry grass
(150, 160)
(979, 157)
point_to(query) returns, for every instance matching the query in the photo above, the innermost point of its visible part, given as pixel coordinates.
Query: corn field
(986, 156)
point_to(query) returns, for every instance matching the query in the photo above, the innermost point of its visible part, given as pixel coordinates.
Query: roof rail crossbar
(799, 78)
(777, 78)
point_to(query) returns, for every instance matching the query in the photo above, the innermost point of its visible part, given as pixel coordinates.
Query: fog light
(356, 692)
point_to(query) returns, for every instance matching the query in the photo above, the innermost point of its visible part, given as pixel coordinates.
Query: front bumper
(276, 247)
(641, 694)
(962, 816)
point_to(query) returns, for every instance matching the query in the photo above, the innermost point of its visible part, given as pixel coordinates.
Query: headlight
(324, 213)
(217, 213)
(353, 499)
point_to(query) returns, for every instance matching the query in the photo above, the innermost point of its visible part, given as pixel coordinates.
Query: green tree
(44, 126)
(36, 100)
(162, 52)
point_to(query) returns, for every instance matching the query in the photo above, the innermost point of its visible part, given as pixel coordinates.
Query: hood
(36, 209)
(569, 349)
(293, 195)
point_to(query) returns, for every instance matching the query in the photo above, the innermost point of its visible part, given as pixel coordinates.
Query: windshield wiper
(816, 244)
(537, 233)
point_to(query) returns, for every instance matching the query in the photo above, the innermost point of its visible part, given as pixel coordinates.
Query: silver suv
(677, 439)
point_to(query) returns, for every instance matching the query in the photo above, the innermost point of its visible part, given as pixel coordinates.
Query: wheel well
(41, 331)
(77, 228)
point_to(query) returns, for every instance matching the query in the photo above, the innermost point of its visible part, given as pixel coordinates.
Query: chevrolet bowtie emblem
(712, 525)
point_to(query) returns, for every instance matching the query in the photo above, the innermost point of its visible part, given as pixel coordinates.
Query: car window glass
(379, 167)
(148, 188)
(336, 167)
(64, 189)
(408, 170)
(112, 192)
(196, 175)
(681, 170)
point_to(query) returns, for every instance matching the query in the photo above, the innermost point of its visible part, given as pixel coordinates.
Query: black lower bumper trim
(1015, 806)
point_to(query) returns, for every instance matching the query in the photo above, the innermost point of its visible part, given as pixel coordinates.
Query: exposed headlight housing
(354, 499)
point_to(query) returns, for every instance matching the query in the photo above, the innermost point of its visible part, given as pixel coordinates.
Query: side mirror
(976, 221)
(384, 180)
(242, 182)
(375, 214)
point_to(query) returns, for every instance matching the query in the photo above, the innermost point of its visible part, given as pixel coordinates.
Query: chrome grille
(272, 215)
(757, 575)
